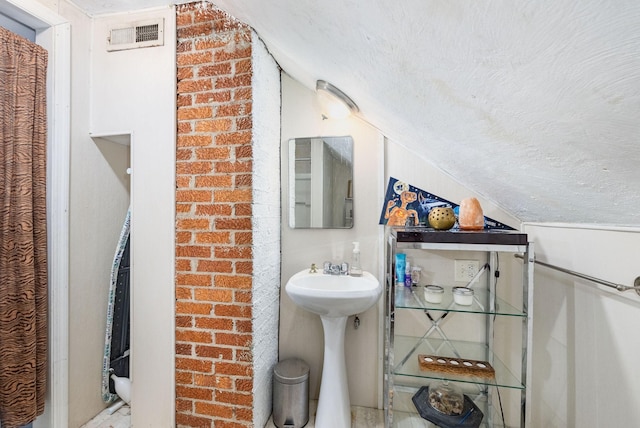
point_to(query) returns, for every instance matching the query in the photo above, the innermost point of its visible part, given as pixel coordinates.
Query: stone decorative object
(441, 218)
(470, 216)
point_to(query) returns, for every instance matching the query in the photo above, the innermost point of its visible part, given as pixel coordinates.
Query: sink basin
(333, 295)
(334, 298)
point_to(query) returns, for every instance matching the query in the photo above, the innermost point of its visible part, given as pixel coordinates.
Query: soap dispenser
(356, 267)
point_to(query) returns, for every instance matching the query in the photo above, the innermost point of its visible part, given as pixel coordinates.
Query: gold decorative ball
(442, 218)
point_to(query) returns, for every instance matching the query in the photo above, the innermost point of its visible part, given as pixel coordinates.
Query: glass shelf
(413, 298)
(403, 348)
(405, 414)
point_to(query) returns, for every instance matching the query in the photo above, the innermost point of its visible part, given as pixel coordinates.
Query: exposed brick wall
(214, 372)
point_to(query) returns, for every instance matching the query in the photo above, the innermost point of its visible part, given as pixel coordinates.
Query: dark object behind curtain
(23, 244)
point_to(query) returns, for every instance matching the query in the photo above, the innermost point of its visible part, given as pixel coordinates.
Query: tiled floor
(362, 417)
(121, 418)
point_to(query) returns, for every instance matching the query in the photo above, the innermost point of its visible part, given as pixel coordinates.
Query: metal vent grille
(136, 35)
(145, 33)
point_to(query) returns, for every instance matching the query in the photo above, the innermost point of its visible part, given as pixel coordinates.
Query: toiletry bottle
(356, 267)
(416, 271)
(400, 267)
(407, 274)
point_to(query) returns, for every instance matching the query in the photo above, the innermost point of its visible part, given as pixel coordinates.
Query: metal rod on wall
(619, 287)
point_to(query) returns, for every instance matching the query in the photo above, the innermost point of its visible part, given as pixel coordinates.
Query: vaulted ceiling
(533, 104)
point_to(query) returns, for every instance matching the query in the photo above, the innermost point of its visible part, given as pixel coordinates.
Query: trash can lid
(292, 370)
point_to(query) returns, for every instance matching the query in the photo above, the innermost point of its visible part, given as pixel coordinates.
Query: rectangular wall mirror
(321, 183)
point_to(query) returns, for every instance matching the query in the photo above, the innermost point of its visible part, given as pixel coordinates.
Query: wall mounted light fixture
(335, 103)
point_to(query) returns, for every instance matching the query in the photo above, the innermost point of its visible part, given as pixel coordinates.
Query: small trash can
(291, 393)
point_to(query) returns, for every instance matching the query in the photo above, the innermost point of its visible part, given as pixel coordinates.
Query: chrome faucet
(329, 268)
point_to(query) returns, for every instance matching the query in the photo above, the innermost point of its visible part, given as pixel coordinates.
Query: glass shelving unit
(403, 375)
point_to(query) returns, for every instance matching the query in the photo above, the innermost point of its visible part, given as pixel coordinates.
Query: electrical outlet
(465, 270)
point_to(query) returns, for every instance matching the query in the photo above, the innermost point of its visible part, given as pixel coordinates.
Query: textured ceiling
(535, 105)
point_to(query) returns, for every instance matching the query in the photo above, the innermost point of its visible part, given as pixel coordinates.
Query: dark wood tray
(456, 366)
(491, 236)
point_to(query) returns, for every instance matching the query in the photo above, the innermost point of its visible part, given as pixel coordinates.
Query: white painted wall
(17, 27)
(301, 331)
(266, 225)
(406, 166)
(585, 370)
(134, 91)
(98, 202)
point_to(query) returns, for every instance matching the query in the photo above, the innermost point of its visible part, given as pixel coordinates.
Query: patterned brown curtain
(23, 233)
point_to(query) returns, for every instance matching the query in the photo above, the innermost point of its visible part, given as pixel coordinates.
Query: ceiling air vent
(133, 35)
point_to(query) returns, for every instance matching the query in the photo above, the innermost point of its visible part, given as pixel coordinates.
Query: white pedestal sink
(334, 298)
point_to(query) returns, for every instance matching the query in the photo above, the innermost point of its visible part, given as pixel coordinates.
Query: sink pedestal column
(334, 407)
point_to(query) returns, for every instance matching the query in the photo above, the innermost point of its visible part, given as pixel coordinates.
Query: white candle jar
(463, 296)
(433, 293)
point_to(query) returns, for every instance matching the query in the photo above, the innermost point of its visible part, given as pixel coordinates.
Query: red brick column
(214, 378)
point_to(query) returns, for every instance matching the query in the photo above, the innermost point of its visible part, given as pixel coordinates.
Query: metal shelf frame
(491, 243)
